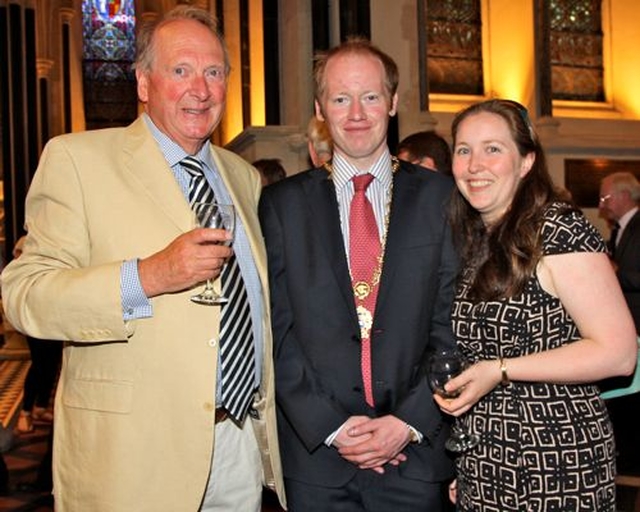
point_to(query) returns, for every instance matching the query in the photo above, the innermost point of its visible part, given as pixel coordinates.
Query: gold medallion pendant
(361, 290)
(365, 320)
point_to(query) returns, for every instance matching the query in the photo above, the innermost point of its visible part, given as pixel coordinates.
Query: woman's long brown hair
(502, 257)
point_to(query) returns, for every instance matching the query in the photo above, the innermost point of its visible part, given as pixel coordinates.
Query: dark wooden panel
(355, 19)
(271, 62)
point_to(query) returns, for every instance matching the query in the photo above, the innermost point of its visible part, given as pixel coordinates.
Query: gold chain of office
(362, 289)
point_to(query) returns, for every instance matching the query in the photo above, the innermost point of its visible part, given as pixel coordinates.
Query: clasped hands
(473, 383)
(188, 260)
(370, 443)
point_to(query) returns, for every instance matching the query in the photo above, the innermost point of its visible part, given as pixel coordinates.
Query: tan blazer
(134, 408)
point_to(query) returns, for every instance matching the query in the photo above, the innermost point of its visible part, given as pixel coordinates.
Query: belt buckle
(221, 415)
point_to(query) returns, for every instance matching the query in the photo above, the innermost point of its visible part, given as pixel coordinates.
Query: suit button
(212, 342)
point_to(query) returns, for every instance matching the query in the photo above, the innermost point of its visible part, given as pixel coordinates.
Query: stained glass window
(454, 46)
(576, 49)
(108, 28)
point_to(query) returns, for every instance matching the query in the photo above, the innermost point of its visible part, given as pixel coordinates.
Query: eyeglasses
(605, 198)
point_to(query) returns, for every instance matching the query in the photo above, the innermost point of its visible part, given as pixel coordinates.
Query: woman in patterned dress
(539, 311)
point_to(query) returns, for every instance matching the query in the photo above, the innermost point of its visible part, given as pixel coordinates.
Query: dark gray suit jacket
(627, 257)
(316, 334)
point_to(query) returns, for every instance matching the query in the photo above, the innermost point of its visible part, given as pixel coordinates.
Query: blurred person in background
(319, 142)
(619, 196)
(46, 356)
(426, 149)
(271, 170)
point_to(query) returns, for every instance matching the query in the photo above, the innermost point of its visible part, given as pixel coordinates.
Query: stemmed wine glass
(218, 216)
(443, 366)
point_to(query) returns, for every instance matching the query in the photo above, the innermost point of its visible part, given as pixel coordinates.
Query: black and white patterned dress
(545, 447)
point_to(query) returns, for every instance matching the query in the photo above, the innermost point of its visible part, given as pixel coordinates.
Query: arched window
(110, 97)
(576, 50)
(454, 46)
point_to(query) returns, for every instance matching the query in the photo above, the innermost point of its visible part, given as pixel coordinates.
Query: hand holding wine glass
(444, 365)
(217, 216)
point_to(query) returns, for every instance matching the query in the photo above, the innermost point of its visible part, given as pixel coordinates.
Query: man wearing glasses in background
(619, 196)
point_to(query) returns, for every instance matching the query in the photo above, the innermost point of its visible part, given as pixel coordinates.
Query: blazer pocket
(98, 395)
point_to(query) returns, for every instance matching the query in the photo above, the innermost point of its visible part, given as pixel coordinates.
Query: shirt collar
(343, 170)
(173, 152)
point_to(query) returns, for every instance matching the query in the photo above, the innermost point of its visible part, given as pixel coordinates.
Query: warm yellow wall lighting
(507, 56)
(508, 46)
(256, 50)
(625, 56)
(231, 123)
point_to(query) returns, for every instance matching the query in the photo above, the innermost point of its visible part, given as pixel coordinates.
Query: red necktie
(364, 254)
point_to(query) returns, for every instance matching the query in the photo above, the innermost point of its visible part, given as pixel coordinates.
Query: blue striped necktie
(237, 352)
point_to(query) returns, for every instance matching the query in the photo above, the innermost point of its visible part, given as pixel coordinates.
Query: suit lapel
(237, 184)
(402, 206)
(321, 199)
(148, 168)
(634, 224)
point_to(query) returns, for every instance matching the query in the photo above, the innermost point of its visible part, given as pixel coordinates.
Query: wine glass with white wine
(444, 365)
(217, 216)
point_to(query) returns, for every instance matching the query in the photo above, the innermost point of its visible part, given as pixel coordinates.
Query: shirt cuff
(416, 435)
(332, 437)
(135, 303)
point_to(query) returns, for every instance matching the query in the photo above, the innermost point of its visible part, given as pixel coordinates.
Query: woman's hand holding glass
(446, 368)
(469, 386)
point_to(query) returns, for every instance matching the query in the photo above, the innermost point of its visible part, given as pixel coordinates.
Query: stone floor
(23, 452)
(23, 459)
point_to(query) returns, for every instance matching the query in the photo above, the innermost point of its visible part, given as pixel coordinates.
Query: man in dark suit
(358, 427)
(619, 196)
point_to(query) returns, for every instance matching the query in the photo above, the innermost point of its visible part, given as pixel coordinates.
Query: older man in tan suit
(109, 265)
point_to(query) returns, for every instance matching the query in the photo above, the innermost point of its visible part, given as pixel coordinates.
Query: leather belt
(221, 415)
